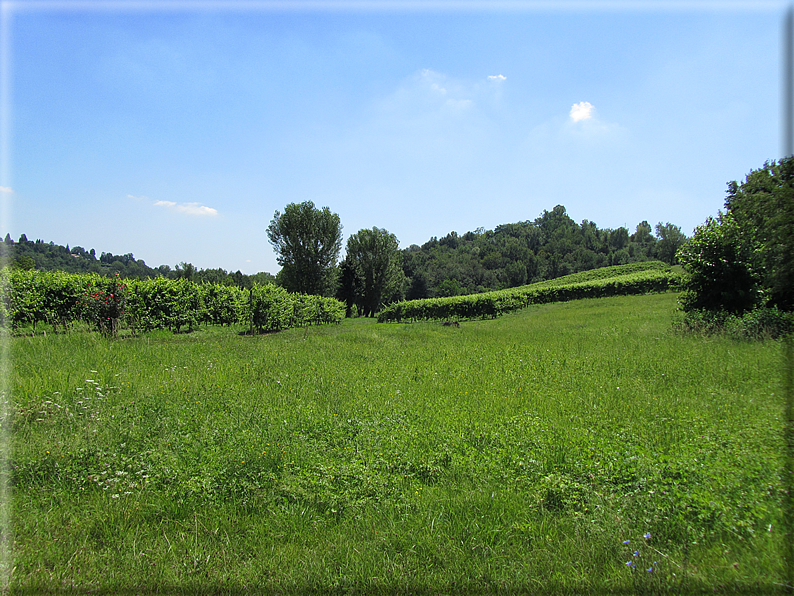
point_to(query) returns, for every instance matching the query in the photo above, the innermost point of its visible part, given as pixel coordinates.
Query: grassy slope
(516, 453)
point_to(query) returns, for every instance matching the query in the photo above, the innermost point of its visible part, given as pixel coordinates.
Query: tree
(618, 238)
(307, 241)
(763, 207)
(642, 233)
(448, 287)
(185, 270)
(348, 290)
(25, 263)
(720, 274)
(375, 256)
(670, 240)
(745, 257)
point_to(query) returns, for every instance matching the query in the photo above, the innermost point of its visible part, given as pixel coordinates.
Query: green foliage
(745, 257)
(307, 241)
(511, 255)
(757, 324)
(222, 303)
(763, 208)
(269, 308)
(58, 298)
(104, 302)
(721, 274)
(448, 287)
(48, 256)
(165, 304)
(670, 239)
(637, 278)
(374, 259)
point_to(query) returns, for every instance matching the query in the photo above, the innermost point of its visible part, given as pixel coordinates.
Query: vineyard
(63, 299)
(635, 278)
(60, 299)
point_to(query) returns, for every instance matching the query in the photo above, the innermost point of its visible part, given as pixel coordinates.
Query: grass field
(580, 446)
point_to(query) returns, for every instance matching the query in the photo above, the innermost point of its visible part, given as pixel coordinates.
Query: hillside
(510, 255)
(48, 256)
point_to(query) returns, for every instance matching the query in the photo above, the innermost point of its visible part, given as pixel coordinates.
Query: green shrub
(758, 323)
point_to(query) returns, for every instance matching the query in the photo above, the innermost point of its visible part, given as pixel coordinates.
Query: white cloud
(187, 208)
(581, 111)
(6, 189)
(196, 209)
(497, 78)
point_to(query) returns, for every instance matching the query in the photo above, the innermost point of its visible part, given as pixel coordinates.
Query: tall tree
(377, 260)
(670, 240)
(745, 257)
(763, 207)
(186, 271)
(348, 289)
(307, 241)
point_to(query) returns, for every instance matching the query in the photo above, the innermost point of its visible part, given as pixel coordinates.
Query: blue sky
(175, 131)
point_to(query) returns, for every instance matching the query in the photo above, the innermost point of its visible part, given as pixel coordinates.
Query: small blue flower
(626, 541)
(636, 553)
(630, 563)
(647, 535)
(649, 569)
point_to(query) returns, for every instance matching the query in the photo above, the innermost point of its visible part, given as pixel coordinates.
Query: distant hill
(48, 256)
(510, 255)
(525, 252)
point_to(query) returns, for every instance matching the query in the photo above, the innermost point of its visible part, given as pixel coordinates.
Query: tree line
(739, 265)
(741, 261)
(47, 256)
(375, 271)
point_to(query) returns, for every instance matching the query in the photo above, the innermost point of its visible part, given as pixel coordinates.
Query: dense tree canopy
(375, 262)
(670, 240)
(307, 241)
(524, 252)
(763, 207)
(745, 256)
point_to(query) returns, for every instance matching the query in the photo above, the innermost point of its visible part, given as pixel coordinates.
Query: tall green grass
(516, 454)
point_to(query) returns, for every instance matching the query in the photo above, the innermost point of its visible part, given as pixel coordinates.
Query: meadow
(577, 447)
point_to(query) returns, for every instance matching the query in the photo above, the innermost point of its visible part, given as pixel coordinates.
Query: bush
(761, 323)
(721, 276)
(756, 324)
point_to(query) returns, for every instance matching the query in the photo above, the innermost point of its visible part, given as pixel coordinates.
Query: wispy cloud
(434, 80)
(188, 208)
(428, 92)
(141, 198)
(581, 111)
(6, 189)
